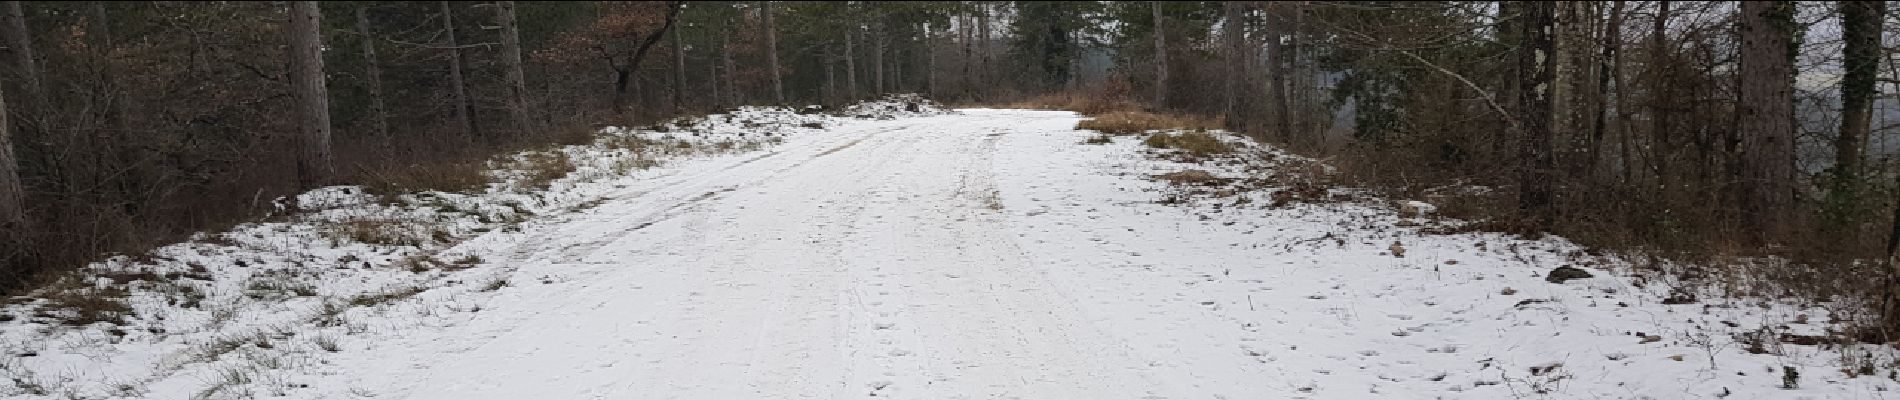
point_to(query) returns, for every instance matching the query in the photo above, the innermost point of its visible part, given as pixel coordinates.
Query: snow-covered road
(990, 255)
(872, 262)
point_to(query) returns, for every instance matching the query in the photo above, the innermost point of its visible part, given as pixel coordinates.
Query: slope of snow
(980, 254)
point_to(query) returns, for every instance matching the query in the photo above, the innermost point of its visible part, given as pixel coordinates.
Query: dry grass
(1198, 144)
(387, 295)
(449, 176)
(1135, 122)
(80, 304)
(385, 231)
(1190, 177)
(542, 168)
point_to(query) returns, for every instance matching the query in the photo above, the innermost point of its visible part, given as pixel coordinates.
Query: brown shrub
(542, 168)
(1134, 122)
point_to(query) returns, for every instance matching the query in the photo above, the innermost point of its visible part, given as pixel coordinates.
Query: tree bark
(966, 34)
(373, 79)
(1766, 122)
(930, 62)
(1612, 40)
(511, 67)
(1236, 59)
(771, 53)
(464, 112)
(1276, 80)
(877, 58)
(12, 193)
(1660, 94)
(1161, 56)
(20, 41)
(1861, 23)
(1535, 72)
(984, 69)
(314, 163)
(679, 69)
(831, 77)
(850, 68)
(732, 81)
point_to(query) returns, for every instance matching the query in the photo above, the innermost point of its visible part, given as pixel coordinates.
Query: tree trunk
(850, 68)
(1861, 23)
(314, 163)
(464, 112)
(1623, 111)
(1236, 60)
(20, 41)
(930, 62)
(771, 54)
(1276, 80)
(679, 70)
(1161, 56)
(1612, 40)
(1766, 122)
(622, 77)
(984, 70)
(966, 34)
(630, 72)
(1535, 72)
(12, 193)
(732, 81)
(831, 78)
(373, 79)
(877, 58)
(1660, 97)
(511, 67)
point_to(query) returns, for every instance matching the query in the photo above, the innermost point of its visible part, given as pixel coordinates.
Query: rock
(1415, 209)
(1565, 273)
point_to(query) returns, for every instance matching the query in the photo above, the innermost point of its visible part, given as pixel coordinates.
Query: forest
(1723, 140)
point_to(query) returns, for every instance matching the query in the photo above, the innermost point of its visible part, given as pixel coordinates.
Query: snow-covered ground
(903, 254)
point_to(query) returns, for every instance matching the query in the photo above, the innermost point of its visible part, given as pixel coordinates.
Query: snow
(899, 254)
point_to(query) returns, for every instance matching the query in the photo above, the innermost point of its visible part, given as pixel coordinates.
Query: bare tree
(458, 85)
(12, 194)
(850, 67)
(20, 40)
(373, 72)
(1237, 58)
(1660, 90)
(877, 57)
(314, 160)
(771, 53)
(1161, 57)
(1766, 121)
(1536, 71)
(1861, 23)
(1276, 76)
(1612, 40)
(679, 68)
(511, 66)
